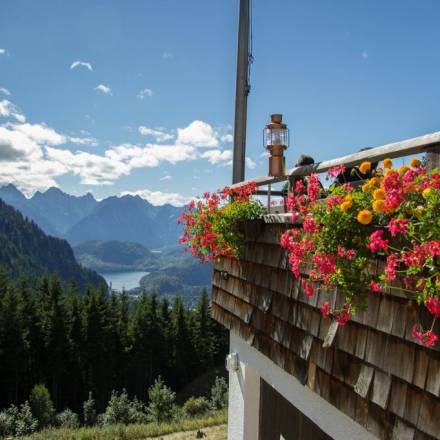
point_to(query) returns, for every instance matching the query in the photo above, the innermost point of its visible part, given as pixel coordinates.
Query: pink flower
(299, 187)
(291, 202)
(390, 268)
(335, 171)
(428, 338)
(433, 305)
(377, 242)
(325, 309)
(333, 201)
(309, 225)
(325, 263)
(313, 187)
(374, 286)
(397, 226)
(347, 187)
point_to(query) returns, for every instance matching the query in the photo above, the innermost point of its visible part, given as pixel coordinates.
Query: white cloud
(167, 55)
(145, 93)
(198, 134)
(7, 109)
(88, 141)
(218, 157)
(364, 55)
(227, 138)
(78, 63)
(3, 51)
(32, 156)
(159, 198)
(104, 89)
(5, 91)
(91, 168)
(250, 163)
(157, 134)
(40, 133)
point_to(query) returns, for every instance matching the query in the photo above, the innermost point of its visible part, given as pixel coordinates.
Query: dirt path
(214, 433)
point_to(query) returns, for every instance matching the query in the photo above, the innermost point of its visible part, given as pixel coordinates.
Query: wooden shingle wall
(373, 370)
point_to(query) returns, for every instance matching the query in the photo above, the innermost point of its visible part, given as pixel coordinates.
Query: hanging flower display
(211, 225)
(394, 217)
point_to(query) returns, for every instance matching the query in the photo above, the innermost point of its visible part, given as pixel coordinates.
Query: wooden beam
(428, 142)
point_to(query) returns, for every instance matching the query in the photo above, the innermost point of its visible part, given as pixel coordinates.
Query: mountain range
(83, 218)
(26, 250)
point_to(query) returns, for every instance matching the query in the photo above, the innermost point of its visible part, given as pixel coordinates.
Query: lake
(124, 280)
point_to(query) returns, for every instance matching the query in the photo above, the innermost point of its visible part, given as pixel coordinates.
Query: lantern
(276, 140)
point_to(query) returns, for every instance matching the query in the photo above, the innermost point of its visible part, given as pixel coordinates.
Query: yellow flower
(345, 206)
(387, 163)
(426, 192)
(366, 187)
(365, 217)
(419, 210)
(379, 205)
(348, 198)
(415, 163)
(365, 167)
(403, 169)
(379, 194)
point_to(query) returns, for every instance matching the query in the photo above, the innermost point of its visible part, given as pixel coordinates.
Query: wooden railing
(429, 143)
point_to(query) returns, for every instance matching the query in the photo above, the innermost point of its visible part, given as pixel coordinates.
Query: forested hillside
(98, 343)
(116, 256)
(26, 250)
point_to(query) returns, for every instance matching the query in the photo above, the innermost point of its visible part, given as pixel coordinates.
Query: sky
(113, 97)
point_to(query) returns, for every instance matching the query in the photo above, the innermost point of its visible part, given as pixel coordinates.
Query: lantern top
(276, 121)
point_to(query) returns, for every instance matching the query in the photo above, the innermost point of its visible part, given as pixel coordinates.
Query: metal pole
(241, 94)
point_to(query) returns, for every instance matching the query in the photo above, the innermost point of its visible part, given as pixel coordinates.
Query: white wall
(244, 403)
(244, 398)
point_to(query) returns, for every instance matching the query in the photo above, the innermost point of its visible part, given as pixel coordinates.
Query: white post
(244, 401)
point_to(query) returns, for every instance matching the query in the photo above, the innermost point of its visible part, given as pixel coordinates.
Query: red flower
(398, 226)
(428, 338)
(308, 288)
(325, 309)
(433, 305)
(374, 286)
(343, 315)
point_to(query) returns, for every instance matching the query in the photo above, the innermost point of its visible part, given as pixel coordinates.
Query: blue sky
(149, 107)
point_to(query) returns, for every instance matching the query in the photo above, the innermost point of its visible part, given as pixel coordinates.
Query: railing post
(433, 157)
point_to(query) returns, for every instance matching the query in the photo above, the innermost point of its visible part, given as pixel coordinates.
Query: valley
(127, 240)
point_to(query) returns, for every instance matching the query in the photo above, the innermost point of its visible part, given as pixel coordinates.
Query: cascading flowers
(394, 217)
(211, 224)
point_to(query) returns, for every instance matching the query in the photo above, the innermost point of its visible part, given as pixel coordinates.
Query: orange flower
(379, 194)
(379, 205)
(375, 181)
(365, 167)
(365, 217)
(415, 163)
(387, 163)
(345, 206)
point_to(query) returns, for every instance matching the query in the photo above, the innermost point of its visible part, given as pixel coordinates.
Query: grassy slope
(132, 432)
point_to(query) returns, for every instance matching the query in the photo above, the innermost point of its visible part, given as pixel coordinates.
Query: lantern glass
(276, 136)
